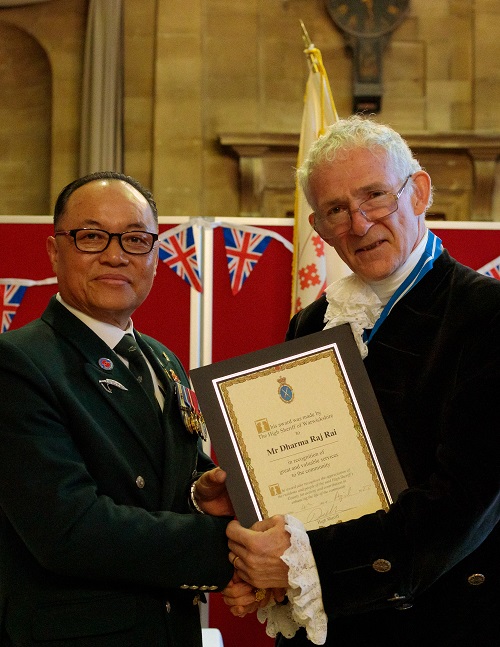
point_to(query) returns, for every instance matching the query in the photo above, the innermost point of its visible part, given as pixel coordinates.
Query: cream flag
(315, 265)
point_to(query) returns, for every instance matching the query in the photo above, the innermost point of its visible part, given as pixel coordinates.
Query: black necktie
(127, 347)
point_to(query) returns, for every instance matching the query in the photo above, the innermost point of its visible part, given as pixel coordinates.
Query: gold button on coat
(476, 579)
(381, 565)
(167, 606)
(140, 482)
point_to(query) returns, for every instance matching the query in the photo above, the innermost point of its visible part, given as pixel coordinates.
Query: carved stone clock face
(367, 18)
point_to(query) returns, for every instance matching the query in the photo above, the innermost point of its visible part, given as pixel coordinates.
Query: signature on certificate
(330, 511)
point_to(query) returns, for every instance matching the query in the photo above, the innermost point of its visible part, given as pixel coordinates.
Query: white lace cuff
(305, 605)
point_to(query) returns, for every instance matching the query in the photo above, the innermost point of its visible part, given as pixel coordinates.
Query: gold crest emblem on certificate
(262, 425)
(285, 391)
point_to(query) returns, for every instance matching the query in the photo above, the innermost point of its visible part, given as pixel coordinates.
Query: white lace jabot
(352, 301)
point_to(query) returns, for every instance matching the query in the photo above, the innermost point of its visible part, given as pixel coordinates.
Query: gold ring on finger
(260, 594)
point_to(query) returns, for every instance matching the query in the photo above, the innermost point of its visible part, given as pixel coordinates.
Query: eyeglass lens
(376, 208)
(96, 240)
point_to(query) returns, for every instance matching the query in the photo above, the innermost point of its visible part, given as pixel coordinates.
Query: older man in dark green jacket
(103, 540)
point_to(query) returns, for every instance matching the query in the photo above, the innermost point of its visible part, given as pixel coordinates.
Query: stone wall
(197, 71)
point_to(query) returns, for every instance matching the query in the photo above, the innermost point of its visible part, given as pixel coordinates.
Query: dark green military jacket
(98, 543)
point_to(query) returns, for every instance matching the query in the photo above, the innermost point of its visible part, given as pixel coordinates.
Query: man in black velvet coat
(103, 542)
(426, 572)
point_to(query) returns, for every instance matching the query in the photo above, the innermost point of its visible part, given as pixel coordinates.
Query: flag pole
(309, 47)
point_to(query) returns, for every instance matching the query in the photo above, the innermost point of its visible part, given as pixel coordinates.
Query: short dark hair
(63, 197)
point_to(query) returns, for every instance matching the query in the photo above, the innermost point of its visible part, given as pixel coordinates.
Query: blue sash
(433, 249)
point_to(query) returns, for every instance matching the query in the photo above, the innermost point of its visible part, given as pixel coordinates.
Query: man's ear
(421, 192)
(51, 247)
(311, 220)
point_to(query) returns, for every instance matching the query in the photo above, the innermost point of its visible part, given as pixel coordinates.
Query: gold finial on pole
(309, 47)
(305, 35)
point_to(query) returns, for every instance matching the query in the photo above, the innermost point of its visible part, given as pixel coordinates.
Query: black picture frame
(230, 441)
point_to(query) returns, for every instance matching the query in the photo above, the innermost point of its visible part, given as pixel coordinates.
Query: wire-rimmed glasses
(380, 204)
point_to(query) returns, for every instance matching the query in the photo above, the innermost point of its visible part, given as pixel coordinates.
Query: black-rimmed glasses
(93, 241)
(380, 204)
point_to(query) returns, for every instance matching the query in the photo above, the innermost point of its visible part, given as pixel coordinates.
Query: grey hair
(357, 132)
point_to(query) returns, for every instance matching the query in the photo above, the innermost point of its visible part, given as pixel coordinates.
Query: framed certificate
(298, 430)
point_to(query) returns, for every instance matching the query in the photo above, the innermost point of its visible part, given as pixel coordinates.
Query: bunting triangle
(243, 251)
(10, 298)
(491, 269)
(178, 251)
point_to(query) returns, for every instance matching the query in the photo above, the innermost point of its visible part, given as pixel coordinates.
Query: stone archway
(25, 123)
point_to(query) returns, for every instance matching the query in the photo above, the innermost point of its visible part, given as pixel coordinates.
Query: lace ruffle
(352, 301)
(305, 606)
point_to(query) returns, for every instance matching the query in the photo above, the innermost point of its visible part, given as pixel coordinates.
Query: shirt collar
(109, 334)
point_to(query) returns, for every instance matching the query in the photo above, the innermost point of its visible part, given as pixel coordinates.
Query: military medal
(190, 411)
(188, 403)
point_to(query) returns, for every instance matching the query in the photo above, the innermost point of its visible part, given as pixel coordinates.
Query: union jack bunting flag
(11, 297)
(491, 269)
(243, 251)
(178, 251)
